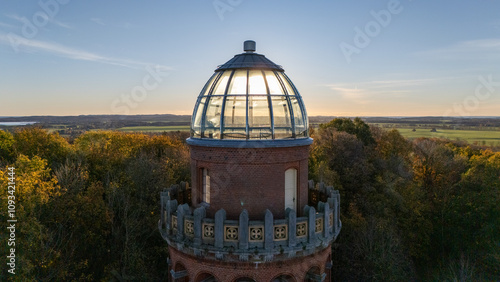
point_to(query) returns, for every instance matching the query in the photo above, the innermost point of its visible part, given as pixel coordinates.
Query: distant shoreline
(17, 123)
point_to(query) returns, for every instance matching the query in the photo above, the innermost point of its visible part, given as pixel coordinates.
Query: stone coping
(191, 231)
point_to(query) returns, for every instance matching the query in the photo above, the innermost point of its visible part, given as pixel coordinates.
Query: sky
(347, 58)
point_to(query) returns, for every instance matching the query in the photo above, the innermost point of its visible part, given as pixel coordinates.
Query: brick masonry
(295, 268)
(249, 178)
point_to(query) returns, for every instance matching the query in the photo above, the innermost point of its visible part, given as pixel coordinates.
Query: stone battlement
(190, 231)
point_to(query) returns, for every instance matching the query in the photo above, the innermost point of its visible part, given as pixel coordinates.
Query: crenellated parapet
(191, 231)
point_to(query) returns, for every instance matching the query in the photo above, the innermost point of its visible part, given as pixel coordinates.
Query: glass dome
(248, 98)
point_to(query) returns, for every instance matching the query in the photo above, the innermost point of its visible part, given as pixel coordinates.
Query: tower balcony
(191, 231)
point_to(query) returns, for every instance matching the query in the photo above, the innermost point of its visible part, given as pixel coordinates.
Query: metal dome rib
(249, 98)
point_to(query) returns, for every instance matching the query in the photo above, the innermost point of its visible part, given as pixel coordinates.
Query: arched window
(291, 188)
(284, 278)
(205, 186)
(205, 277)
(244, 279)
(313, 275)
(179, 273)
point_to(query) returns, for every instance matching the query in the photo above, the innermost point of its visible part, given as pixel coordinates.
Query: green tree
(339, 158)
(356, 127)
(133, 169)
(6, 147)
(475, 213)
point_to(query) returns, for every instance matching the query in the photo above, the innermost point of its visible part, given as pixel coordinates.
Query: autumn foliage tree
(423, 209)
(89, 210)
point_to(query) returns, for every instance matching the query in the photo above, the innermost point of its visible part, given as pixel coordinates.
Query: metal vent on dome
(249, 46)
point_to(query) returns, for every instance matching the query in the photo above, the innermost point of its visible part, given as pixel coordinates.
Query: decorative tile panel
(208, 231)
(280, 232)
(174, 223)
(256, 233)
(230, 233)
(319, 225)
(189, 227)
(301, 230)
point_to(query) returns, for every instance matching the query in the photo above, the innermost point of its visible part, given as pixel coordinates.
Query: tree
(339, 158)
(475, 212)
(6, 147)
(356, 127)
(35, 186)
(34, 141)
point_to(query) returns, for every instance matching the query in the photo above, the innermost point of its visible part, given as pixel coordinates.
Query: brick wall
(249, 178)
(229, 271)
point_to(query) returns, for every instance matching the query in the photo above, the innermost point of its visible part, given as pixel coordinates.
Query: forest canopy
(87, 208)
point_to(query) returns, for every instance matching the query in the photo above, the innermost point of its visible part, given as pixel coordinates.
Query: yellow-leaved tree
(34, 186)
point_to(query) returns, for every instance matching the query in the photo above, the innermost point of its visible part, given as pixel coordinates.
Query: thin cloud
(16, 17)
(7, 25)
(365, 92)
(355, 94)
(402, 82)
(124, 25)
(61, 24)
(483, 44)
(32, 46)
(51, 20)
(97, 21)
(471, 49)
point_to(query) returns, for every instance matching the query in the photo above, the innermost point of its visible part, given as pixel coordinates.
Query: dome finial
(249, 46)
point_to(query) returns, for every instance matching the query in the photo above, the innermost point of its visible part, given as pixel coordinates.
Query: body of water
(17, 123)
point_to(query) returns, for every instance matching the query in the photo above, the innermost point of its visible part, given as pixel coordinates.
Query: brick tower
(250, 214)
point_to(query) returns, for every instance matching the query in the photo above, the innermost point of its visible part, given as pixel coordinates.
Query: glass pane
(300, 125)
(289, 88)
(261, 133)
(256, 82)
(280, 133)
(273, 83)
(199, 113)
(238, 83)
(211, 133)
(235, 133)
(235, 112)
(297, 111)
(195, 133)
(212, 116)
(258, 112)
(281, 112)
(222, 83)
(208, 86)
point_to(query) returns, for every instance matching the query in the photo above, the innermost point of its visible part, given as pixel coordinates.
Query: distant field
(472, 136)
(153, 128)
